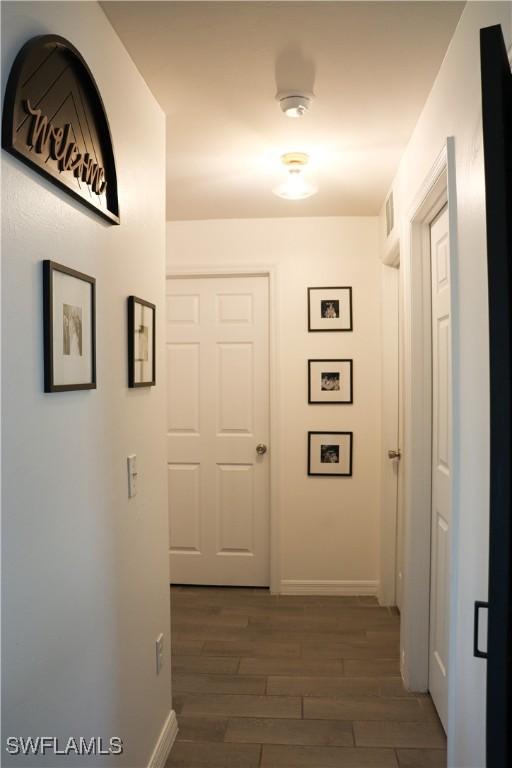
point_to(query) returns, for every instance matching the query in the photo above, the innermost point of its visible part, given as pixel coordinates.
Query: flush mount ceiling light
(294, 103)
(295, 187)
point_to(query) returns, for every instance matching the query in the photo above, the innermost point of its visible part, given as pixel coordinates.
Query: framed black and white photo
(330, 309)
(141, 342)
(330, 454)
(69, 320)
(330, 381)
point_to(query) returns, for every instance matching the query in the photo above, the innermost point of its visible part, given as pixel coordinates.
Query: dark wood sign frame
(54, 120)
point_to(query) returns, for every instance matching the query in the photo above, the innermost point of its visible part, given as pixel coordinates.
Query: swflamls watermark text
(41, 745)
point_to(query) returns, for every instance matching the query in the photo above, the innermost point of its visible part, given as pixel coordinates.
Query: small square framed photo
(330, 381)
(329, 309)
(330, 454)
(141, 343)
(69, 322)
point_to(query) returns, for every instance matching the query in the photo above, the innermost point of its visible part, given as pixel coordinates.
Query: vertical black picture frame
(50, 383)
(133, 379)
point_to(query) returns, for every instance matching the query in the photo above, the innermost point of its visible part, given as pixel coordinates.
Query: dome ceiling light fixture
(295, 187)
(294, 103)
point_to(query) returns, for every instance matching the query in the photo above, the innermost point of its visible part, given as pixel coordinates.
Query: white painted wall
(329, 527)
(454, 109)
(85, 579)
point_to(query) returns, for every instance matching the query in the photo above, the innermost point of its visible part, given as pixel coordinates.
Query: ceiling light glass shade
(295, 111)
(294, 103)
(295, 187)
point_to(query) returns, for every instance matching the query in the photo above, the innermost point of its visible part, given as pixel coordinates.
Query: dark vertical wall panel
(497, 128)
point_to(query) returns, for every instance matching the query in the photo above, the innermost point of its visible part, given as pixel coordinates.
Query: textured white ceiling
(215, 68)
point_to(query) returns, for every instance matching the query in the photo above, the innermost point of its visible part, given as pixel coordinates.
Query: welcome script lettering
(45, 137)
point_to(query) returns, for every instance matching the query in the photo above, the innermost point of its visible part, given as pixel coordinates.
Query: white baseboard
(333, 587)
(165, 742)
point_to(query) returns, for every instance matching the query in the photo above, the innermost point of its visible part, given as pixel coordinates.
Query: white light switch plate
(159, 647)
(132, 476)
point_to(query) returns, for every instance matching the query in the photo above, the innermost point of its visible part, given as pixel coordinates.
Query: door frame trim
(437, 190)
(272, 273)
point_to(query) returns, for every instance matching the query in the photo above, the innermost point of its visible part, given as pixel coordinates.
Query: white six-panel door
(441, 465)
(217, 414)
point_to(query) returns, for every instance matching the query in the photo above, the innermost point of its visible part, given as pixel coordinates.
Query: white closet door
(217, 415)
(441, 465)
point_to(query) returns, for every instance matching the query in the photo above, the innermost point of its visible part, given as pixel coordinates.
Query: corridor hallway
(275, 681)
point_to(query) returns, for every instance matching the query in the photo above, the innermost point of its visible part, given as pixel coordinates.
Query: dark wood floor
(274, 681)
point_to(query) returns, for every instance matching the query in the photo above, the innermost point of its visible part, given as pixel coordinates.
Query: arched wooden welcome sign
(55, 122)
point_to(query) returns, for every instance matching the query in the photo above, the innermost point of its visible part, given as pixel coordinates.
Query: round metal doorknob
(394, 454)
(261, 448)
